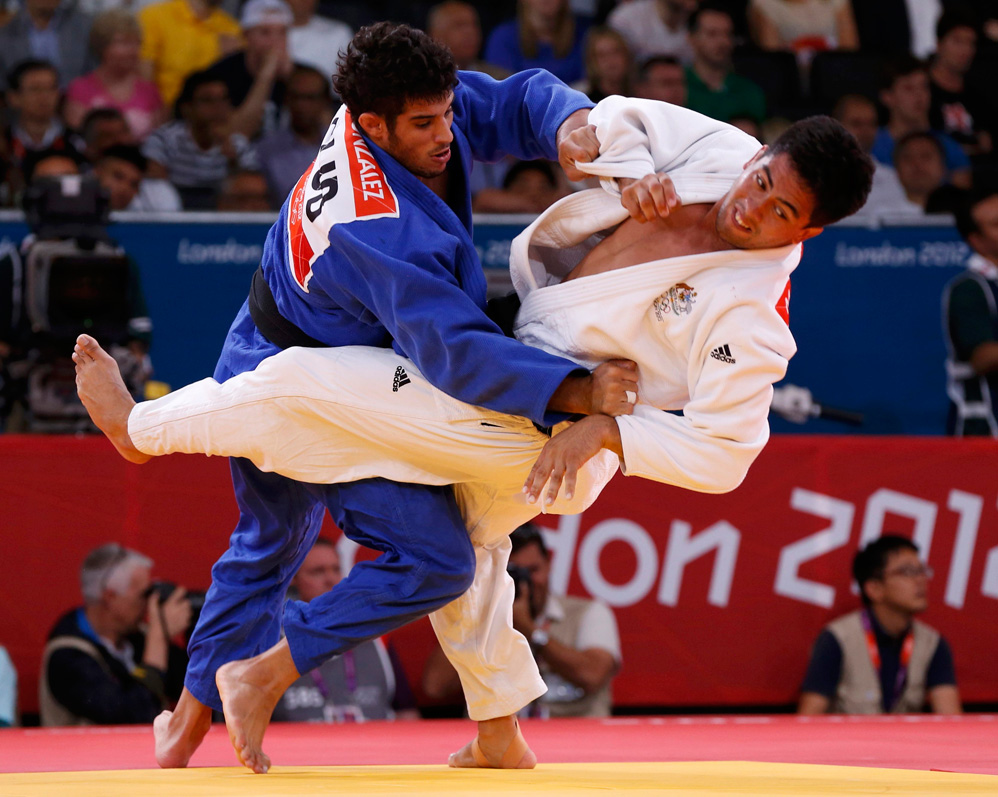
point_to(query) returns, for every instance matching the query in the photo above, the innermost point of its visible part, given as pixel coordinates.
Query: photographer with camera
(102, 665)
(575, 640)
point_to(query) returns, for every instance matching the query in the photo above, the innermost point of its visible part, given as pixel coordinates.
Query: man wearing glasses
(879, 659)
(100, 666)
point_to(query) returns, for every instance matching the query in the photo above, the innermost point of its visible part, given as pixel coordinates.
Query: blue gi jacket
(406, 273)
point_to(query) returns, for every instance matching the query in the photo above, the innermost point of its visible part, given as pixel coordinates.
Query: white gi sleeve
(733, 364)
(638, 137)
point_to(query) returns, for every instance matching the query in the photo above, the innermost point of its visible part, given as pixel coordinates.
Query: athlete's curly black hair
(831, 163)
(387, 64)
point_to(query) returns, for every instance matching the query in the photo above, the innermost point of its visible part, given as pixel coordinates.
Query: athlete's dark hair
(869, 563)
(830, 162)
(388, 64)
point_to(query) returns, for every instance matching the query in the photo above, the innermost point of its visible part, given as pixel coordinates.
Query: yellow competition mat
(700, 779)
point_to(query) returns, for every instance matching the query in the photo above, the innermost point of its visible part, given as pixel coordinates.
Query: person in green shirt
(712, 87)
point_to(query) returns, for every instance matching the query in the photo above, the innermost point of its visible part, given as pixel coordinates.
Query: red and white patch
(783, 305)
(343, 184)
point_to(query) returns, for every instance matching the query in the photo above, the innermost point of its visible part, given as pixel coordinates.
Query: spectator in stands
(116, 40)
(907, 98)
(894, 28)
(285, 154)
(803, 25)
(181, 37)
(50, 163)
(315, 40)
(609, 65)
(47, 30)
(544, 34)
(963, 111)
(33, 95)
(256, 75)
(197, 152)
(106, 127)
(912, 663)
(366, 683)
(528, 187)
(921, 167)
(456, 25)
(245, 192)
(120, 169)
(655, 27)
(712, 87)
(8, 690)
(970, 322)
(661, 78)
(99, 666)
(858, 114)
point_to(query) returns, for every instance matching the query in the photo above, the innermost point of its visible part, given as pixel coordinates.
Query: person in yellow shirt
(180, 37)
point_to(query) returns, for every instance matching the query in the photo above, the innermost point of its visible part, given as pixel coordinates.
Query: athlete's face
(984, 239)
(421, 136)
(768, 206)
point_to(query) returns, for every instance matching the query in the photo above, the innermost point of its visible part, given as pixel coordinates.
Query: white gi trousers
(343, 414)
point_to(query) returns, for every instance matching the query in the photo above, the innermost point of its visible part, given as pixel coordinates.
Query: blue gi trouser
(427, 561)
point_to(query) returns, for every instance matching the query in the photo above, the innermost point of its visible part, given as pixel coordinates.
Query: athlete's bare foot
(179, 733)
(499, 745)
(249, 690)
(103, 393)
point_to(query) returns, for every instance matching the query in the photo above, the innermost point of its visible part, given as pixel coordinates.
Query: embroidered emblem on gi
(723, 353)
(679, 299)
(401, 378)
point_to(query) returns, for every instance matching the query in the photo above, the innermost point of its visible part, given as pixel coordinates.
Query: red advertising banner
(718, 598)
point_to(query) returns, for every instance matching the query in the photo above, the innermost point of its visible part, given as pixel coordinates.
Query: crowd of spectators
(221, 97)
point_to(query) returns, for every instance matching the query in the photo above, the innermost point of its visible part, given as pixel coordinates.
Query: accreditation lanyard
(906, 648)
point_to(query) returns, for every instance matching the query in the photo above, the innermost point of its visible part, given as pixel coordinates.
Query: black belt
(268, 319)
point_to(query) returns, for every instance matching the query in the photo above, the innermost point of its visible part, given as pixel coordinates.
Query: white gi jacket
(704, 329)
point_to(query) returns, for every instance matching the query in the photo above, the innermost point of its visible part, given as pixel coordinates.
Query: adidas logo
(723, 353)
(401, 378)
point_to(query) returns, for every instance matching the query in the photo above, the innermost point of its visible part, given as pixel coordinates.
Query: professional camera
(71, 278)
(521, 578)
(195, 597)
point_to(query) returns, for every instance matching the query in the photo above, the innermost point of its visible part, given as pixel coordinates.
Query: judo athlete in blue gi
(365, 253)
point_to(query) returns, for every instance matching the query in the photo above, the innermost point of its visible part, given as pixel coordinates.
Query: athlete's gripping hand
(577, 143)
(652, 197)
(614, 388)
(565, 453)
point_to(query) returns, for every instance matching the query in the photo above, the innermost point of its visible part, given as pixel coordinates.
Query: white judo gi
(705, 331)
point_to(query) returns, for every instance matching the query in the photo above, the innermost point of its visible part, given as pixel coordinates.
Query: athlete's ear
(757, 156)
(809, 232)
(375, 126)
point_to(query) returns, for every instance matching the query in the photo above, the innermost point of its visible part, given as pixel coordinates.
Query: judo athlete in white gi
(693, 287)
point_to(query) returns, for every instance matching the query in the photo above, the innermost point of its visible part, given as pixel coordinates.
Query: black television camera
(521, 578)
(69, 277)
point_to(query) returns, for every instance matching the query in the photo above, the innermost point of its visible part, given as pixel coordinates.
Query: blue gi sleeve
(519, 116)
(825, 668)
(441, 329)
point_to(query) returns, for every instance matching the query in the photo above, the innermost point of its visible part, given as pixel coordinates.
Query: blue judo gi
(406, 275)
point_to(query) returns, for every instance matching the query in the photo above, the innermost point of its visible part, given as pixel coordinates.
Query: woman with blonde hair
(116, 40)
(545, 34)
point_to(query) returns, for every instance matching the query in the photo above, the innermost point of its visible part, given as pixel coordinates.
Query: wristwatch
(539, 638)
